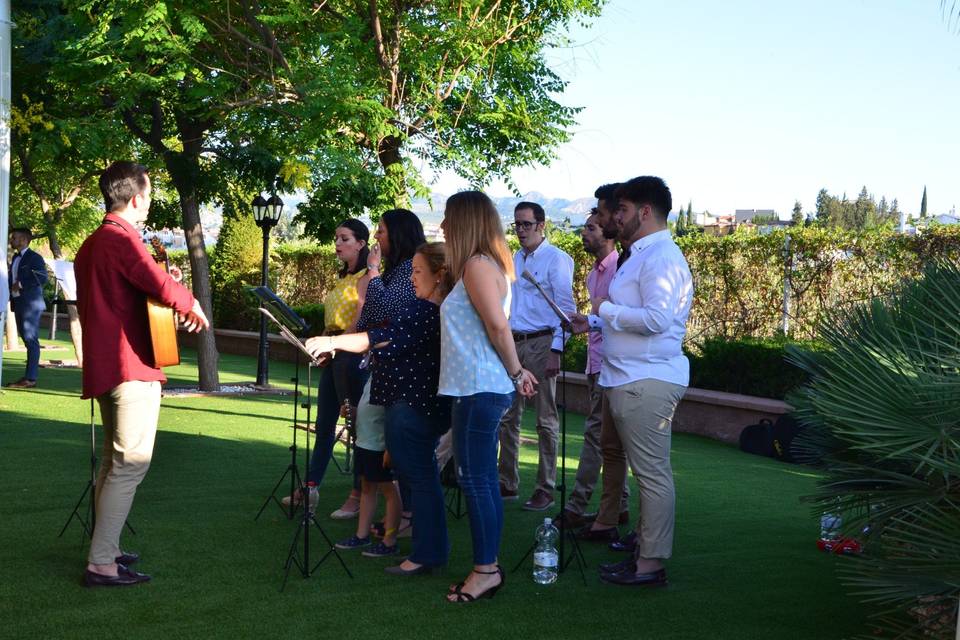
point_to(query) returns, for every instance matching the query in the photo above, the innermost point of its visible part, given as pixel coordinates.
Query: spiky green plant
(882, 417)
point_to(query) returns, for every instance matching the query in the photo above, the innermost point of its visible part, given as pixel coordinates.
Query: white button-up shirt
(553, 269)
(645, 318)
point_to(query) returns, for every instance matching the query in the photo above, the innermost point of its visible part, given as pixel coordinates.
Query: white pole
(785, 325)
(5, 50)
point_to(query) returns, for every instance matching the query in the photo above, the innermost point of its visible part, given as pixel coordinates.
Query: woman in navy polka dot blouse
(406, 379)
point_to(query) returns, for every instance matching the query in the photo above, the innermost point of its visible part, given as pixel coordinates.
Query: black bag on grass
(784, 430)
(758, 438)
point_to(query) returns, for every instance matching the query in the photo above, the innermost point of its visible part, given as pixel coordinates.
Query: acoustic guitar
(162, 319)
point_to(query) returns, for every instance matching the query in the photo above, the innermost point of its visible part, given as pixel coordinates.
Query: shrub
(313, 315)
(751, 366)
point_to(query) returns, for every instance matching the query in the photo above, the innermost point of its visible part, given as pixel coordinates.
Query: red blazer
(115, 274)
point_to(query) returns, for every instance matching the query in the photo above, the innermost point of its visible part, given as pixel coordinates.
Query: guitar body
(162, 320)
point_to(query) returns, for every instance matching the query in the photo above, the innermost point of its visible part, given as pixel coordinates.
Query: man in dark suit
(26, 277)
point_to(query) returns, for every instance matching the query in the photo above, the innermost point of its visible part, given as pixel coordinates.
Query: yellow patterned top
(340, 305)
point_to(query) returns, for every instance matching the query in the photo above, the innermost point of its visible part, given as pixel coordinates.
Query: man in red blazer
(115, 274)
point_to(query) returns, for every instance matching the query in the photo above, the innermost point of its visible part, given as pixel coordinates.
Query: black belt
(533, 334)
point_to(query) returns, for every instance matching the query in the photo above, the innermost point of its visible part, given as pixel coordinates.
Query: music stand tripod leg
(292, 470)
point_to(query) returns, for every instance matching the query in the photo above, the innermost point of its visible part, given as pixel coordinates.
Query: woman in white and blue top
(480, 371)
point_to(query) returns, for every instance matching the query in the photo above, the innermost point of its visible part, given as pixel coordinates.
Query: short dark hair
(607, 191)
(360, 232)
(406, 234)
(120, 182)
(649, 190)
(538, 213)
(24, 231)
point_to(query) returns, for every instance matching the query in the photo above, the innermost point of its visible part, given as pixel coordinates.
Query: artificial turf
(744, 566)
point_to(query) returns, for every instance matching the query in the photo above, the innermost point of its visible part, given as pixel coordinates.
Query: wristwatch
(517, 378)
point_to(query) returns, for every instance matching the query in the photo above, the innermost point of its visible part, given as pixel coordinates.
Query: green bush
(313, 314)
(575, 355)
(751, 366)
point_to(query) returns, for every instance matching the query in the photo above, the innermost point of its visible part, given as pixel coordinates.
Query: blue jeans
(476, 421)
(341, 379)
(412, 443)
(27, 313)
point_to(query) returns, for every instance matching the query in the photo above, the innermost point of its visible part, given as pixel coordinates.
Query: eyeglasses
(526, 225)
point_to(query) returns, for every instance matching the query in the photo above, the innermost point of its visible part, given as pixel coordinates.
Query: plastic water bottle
(313, 497)
(545, 558)
(830, 524)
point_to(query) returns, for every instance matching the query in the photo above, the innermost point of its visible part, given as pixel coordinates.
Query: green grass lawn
(745, 562)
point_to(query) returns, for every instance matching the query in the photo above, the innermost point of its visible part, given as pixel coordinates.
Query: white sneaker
(348, 510)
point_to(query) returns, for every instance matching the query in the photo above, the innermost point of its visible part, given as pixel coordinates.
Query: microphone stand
(565, 531)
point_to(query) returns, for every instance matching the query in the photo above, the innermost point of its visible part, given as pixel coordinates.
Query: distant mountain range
(557, 209)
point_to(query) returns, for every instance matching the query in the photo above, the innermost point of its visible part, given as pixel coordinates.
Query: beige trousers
(642, 415)
(533, 354)
(129, 413)
(591, 457)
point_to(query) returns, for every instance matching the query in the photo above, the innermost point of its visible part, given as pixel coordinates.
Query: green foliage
(862, 213)
(738, 279)
(575, 354)
(313, 314)
(751, 366)
(235, 265)
(882, 412)
(797, 216)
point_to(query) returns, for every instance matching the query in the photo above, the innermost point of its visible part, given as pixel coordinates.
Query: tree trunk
(12, 343)
(76, 333)
(184, 169)
(388, 152)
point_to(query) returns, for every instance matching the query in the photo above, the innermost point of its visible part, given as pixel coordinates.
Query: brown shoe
(539, 501)
(506, 494)
(574, 520)
(22, 383)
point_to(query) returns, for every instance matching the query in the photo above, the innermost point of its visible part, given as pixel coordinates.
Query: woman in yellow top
(343, 378)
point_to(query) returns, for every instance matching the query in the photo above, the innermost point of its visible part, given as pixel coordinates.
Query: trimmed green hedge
(751, 366)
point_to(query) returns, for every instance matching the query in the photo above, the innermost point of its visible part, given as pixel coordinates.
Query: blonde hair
(472, 227)
(436, 256)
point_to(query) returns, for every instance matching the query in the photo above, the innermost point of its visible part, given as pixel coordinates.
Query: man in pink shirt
(601, 245)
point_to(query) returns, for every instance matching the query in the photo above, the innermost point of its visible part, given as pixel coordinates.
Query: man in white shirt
(539, 341)
(644, 372)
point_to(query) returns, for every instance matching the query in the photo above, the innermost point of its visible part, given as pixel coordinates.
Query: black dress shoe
(124, 578)
(626, 544)
(599, 535)
(630, 578)
(127, 558)
(619, 567)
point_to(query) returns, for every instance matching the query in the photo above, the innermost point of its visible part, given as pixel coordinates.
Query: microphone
(564, 318)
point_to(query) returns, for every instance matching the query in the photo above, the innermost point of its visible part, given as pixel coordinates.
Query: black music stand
(296, 556)
(288, 320)
(89, 492)
(565, 531)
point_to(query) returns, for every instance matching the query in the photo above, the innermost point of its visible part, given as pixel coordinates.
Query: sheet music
(289, 337)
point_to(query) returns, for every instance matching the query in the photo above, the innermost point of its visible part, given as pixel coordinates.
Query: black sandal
(462, 597)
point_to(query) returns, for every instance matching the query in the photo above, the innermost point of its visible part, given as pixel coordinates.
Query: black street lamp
(266, 213)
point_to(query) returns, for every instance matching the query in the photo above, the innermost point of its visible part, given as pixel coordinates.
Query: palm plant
(882, 417)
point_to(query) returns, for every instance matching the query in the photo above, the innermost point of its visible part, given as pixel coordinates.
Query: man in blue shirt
(26, 277)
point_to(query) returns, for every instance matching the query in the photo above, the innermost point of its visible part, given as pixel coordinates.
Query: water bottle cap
(547, 521)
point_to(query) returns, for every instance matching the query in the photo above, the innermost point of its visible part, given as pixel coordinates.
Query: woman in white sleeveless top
(480, 371)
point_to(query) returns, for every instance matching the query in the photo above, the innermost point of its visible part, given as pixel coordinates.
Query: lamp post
(266, 213)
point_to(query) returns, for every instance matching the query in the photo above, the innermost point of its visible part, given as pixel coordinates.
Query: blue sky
(754, 104)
